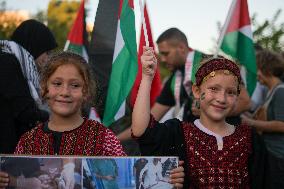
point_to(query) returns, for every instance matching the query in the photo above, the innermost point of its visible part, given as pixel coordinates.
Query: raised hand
(149, 62)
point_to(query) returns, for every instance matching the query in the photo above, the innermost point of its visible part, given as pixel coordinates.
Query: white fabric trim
(218, 137)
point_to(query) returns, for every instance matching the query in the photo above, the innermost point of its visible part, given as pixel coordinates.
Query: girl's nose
(65, 91)
(221, 97)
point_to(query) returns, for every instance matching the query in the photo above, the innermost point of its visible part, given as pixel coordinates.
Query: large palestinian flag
(124, 66)
(236, 40)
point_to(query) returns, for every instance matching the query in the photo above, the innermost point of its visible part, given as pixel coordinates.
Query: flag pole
(144, 22)
(223, 31)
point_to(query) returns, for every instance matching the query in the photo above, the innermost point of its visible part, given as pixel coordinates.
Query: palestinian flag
(76, 39)
(237, 41)
(101, 48)
(124, 66)
(195, 57)
(156, 84)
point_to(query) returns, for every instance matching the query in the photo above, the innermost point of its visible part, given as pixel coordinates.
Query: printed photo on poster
(42, 172)
(55, 172)
(129, 173)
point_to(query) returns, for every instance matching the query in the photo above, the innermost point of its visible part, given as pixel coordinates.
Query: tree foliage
(9, 21)
(60, 17)
(269, 34)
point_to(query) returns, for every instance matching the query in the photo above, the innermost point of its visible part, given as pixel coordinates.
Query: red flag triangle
(240, 16)
(156, 84)
(76, 34)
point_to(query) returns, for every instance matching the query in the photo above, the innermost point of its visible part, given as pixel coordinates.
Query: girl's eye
(213, 89)
(75, 85)
(56, 83)
(232, 92)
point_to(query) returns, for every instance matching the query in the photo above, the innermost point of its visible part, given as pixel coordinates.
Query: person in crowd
(106, 171)
(137, 167)
(216, 153)
(174, 52)
(30, 173)
(260, 90)
(21, 60)
(151, 174)
(269, 119)
(67, 85)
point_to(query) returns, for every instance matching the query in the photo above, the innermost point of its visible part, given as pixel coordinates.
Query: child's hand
(149, 62)
(177, 176)
(4, 180)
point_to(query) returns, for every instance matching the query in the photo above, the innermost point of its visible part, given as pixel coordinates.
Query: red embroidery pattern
(112, 146)
(216, 64)
(90, 139)
(213, 168)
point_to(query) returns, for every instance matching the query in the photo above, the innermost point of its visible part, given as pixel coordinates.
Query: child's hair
(65, 58)
(209, 67)
(270, 63)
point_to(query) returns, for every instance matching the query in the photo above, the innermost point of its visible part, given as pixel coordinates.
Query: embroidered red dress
(205, 165)
(90, 139)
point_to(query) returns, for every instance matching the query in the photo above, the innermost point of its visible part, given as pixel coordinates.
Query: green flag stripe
(75, 48)
(124, 67)
(120, 84)
(127, 27)
(195, 64)
(244, 53)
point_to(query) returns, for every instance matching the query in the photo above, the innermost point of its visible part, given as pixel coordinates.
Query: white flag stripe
(119, 42)
(66, 45)
(121, 112)
(246, 30)
(224, 29)
(93, 115)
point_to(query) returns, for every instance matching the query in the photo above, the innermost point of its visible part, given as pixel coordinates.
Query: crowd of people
(223, 137)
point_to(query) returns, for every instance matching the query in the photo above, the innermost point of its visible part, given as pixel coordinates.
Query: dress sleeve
(162, 139)
(112, 146)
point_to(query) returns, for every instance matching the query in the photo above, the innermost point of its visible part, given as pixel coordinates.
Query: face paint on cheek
(202, 96)
(197, 104)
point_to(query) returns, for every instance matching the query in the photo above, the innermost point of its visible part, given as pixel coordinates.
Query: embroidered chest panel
(209, 166)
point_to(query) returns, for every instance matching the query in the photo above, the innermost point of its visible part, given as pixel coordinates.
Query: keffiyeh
(28, 66)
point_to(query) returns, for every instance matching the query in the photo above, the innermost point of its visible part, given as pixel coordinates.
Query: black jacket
(18, 110)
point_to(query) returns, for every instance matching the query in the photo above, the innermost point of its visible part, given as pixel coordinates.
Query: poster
(70, 172)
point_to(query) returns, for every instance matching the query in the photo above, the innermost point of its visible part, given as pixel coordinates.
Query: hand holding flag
(145, 35)
(149, 63)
